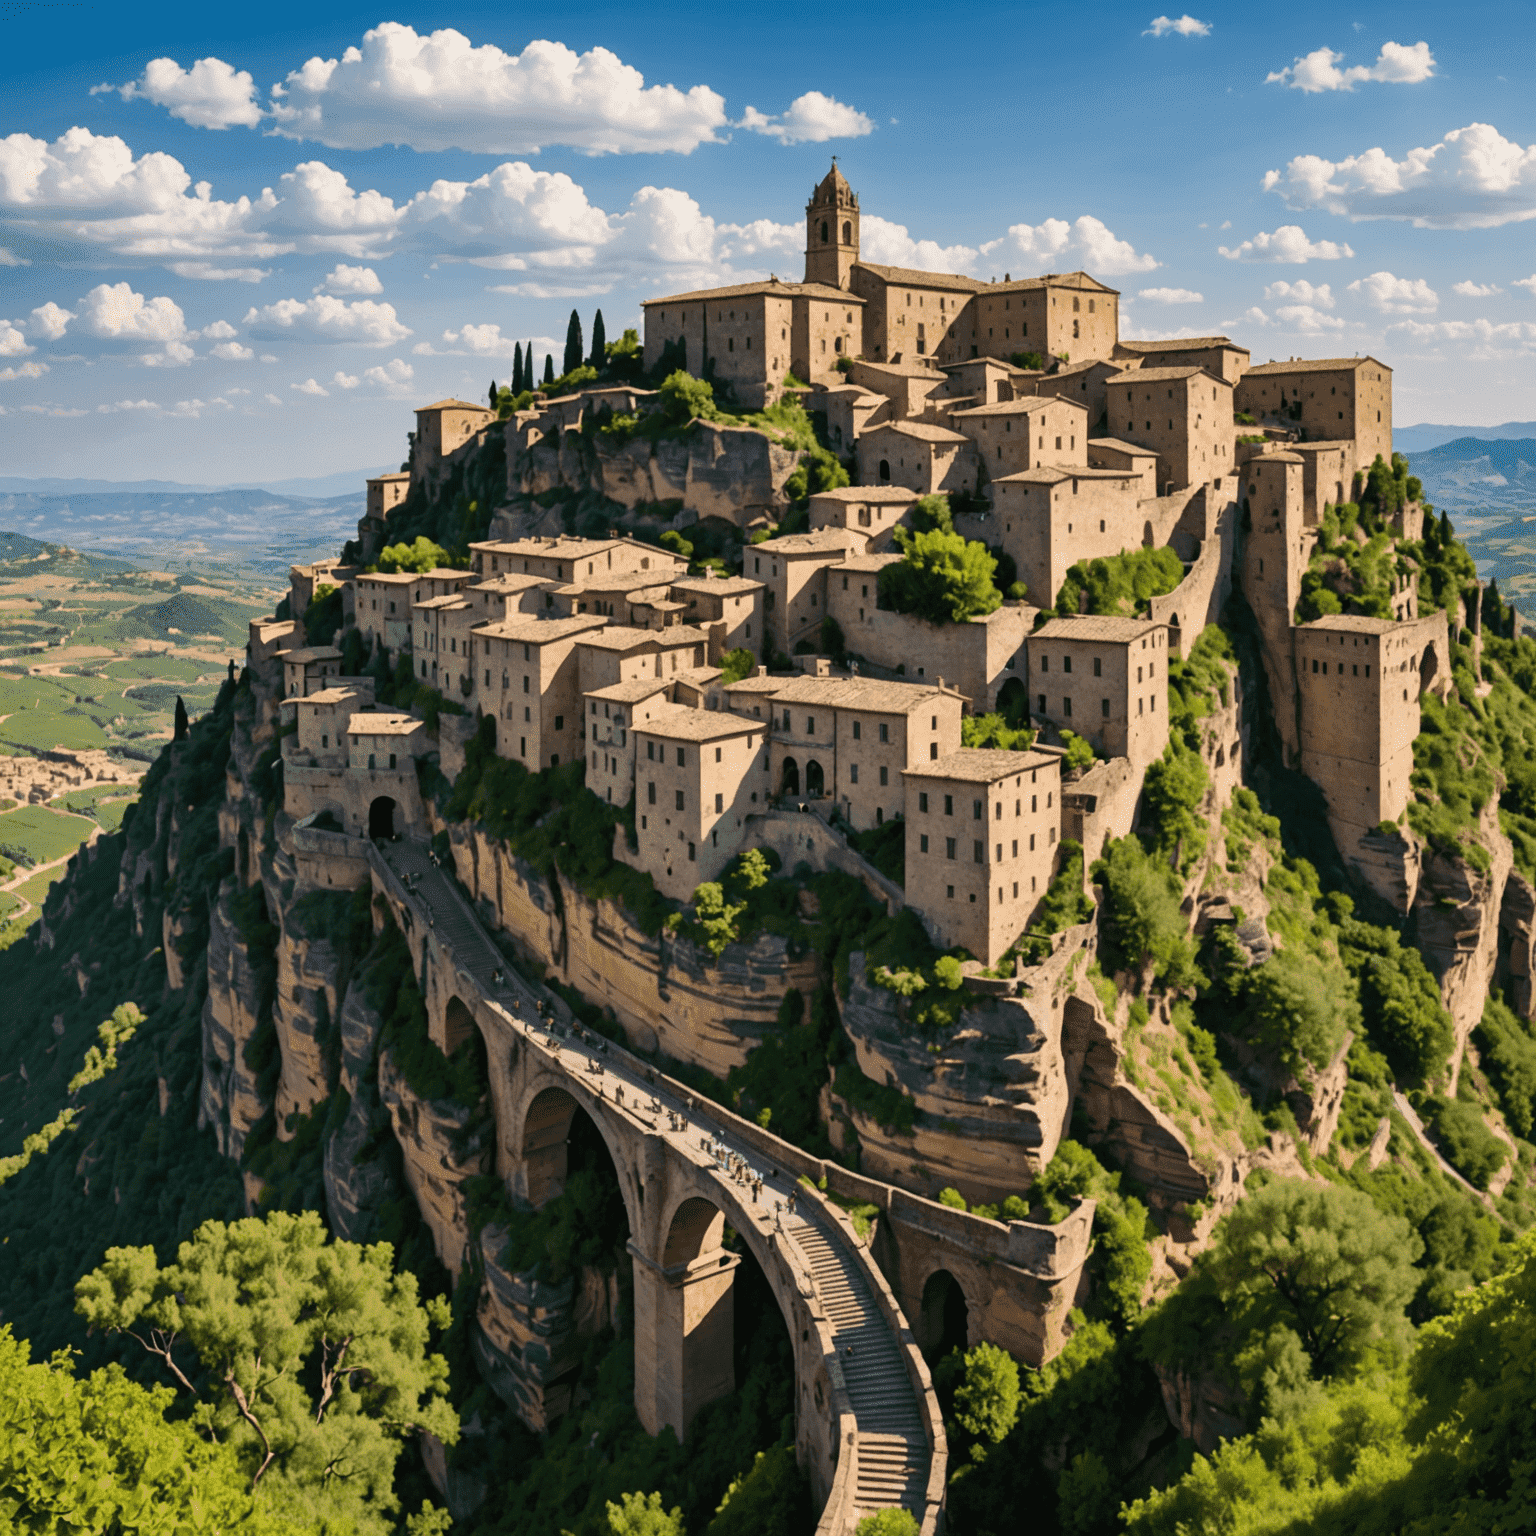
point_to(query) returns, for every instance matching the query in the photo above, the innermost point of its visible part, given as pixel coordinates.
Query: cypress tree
(492, 395)
(528, 380)
(549, 368)
(599, 358)
(517, 369)
(573, 348)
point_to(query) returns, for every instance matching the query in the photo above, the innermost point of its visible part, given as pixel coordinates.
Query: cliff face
(733, 473)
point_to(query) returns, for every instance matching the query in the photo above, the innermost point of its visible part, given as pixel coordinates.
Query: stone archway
(381, 819)
(815, 780)
(546, 1136)
(885, 471)
(458, 1025)
(789, 777)
(1013, 701)
(944, 1322)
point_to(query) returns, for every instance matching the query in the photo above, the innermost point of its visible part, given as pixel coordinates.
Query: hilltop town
(880, 805)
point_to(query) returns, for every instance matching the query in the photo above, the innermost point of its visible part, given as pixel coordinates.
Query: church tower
(831, 231)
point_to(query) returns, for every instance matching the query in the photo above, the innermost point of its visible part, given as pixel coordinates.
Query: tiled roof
(558, 548)
(678, 721)
(746, 290)
(922, 430)
(456, 405)
(325, 696)
(823, 541)
(1024, 406)
(910, 277)
(1156, 375)
(1054, 474)
(730, 585)
(1119, 445)
(627, 637)
(1095, 626)
(312, 653)
(1314, 365)
(867, 562)
(874, 494)
(982, 765)
(377, 723)
(1183, 344)
(1357, 623)
(632, 692)
(528, 630)
(873, 694)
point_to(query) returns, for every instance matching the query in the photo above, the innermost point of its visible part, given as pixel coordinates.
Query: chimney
(823, 667)
(941, 685)
(762, 671)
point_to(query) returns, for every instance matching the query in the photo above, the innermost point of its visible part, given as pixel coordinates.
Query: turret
(831, 231)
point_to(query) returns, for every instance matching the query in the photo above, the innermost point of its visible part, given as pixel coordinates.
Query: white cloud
(550, 290)
(117, 313)
(1172, 295)
(9, 258)
(1397, 295)
(1474, 178)
(1319, 70)
(1185, 26)
(345, 380)
(274, 399)
(13, 342)
(26, 371)
(1289, 243)
(393, 375)
(209, 95)
(810, 119)
(115, 407)
(220, 330)
(1528, 283)
(1471, 290)
(1307, 318)
(323, 318)
(443, 92)
(231, 352)
(175, 354)
(1301, 291)
(476, 341)
(206, 272)
(310, 387)
(344, 279)
(1488, 338)
(1087, 241)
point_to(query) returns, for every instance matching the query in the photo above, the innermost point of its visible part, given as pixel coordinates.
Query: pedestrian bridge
(868, 1431)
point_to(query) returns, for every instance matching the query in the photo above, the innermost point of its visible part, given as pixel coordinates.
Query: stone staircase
(893, 1451)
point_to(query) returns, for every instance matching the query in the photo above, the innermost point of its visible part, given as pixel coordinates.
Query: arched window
(823, 231)
(885, 471)
(847, 233)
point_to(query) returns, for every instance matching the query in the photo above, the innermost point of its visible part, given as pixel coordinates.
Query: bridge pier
(685, 1338)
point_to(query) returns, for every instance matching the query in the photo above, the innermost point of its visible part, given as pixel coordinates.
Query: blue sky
(254, 265)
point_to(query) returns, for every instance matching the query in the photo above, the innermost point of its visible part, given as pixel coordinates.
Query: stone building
(1330, 399)
(613, 714)
(981, 839)
(618, 653)
(442, 642)
(534, 691)
(1112, 453)
(319, 739)
(1216, 354)
(698, 775)
(306, 670)
(571, 559)
(1025, 433)
(443, 430)
(1065, 315)
(733, 604)
(1083, 382)
(1049, 518)
(384, 494)
(873, 511)
(791, 570)
(1185, 414)
(1105, 679)
(383, 605)
(919, 455)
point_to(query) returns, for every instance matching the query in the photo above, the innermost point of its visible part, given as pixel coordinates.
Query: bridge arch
(944, 1321)
(458, 1025)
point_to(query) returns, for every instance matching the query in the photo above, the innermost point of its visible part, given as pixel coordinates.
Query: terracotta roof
(1183, 344)
(632, 692)
(870, 493)
(528, 629)
(923, 430)
(1095, 626)
(1021, 407)
(679, 722)
(983, 765)
(746, 290)
(911, 277)
(1315, 365)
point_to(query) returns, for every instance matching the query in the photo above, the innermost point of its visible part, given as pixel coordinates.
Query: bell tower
(831, 231)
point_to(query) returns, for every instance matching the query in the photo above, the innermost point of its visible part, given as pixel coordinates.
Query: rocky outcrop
(305, 1004)
(1517, 943)
(231, 1101)
(734, 473)
(431, 1134)
(1202, 1408)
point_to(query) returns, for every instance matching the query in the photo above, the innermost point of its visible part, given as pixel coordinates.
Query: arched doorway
(789, 778)
(945, 1319)
(885, 471)
(1147, 537)
(458, 1025)
(381, 818)
(815, 780)
(1013, 702)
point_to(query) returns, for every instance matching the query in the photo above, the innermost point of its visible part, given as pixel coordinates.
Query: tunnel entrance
(381, 819)
(945, 1320)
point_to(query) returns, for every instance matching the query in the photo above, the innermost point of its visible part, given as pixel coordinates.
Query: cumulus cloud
(345, 380)
(344, 279)
(1487, 337)
(1396, 295)
(26, 371)
(393, 375)
(13, 341)
(810, 119)
(1470, 290)
(212, 94)
(1172, 295)
(1319, 70)
(310, 387)
(441, 91)
(1320, 295)
(323, 318)
(1289, 244)
(473, 340)
(207, 272)
(1087, 242)
(274, 399)
(232, 352)
(1528, 283)
(117, 313)
(1302, 319)
(1185, 26)
(1474, 178)
(174, 354)
(9, 258)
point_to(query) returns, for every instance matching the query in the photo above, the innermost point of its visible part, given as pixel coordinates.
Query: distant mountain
(22, 556)
(324, 486)
(258, 531)
(1488, 487)
(1416, 439)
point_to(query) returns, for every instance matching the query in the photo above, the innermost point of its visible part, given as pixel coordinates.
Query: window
(1042, 703)
(922, 802)
(853, 773)
(885, 733)
(856, 730)
(559, 722)
(949, 805)
(922, 843)
(690, 853)
(949, 850)
(884, 777)
(525, 683)
(650, 751)
(717, 754)
(933, 751)
(1066, 708)
(680, 801)
(810, 725)
(1098, 661)
(719, 803)
(1104, 708)
(1015, 853)
(681, 758)
(1066, 663)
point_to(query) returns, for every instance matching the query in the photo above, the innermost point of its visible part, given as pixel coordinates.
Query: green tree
(735, 665)
(987, 1399)
(517, 369)
(888, 1522)
(574, 351)
(599, 357)
(314, 1355)
(1299, 1009)
(1146, 924)
(685, 398)
(98, 1456)
(1403, 1012)
(769, 1499)
(943, 578)
(423, 555)
(549, 368)
(642, 1514)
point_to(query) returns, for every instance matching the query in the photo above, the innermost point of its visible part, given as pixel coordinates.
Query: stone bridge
(868, 1430)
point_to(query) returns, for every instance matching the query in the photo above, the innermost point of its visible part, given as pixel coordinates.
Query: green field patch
(110, 813)
(40, 833)
(8, 903)
(40, 730)
(182, 669)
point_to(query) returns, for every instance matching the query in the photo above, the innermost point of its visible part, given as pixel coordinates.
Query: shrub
(1296, 1010)
(1469, 1146)
(735, 665)
(1508, 1049)
(1079, 751)
(1144, 919)
(1402, 1009)
(995, 731)
(943, 578)
(1120, 584)
(422, 555)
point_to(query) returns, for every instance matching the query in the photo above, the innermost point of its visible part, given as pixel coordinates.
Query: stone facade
(1183, 414)
(1331, 399)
